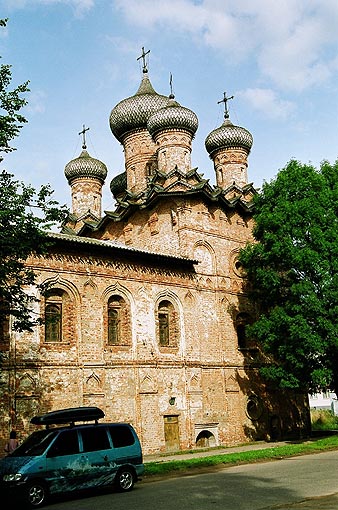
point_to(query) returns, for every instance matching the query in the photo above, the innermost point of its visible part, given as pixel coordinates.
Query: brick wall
(204, 381)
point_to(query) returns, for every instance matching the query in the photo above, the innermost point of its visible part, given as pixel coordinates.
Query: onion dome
(85, 166)
(228, 136)
(133, 113)
(173, 116)
(118, 184)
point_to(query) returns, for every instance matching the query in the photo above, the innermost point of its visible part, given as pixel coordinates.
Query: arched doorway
(205, 439)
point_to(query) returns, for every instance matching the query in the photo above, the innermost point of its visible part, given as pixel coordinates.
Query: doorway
(171, 433)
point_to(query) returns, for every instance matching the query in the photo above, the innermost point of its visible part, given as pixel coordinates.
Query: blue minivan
(72, 457)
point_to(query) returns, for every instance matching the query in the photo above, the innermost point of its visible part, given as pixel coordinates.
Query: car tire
(124, 480)
(36, 494)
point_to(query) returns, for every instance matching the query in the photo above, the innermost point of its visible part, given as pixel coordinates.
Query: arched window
(119, 325)
(114, 320)
(58, 317)
(53, 316)
(53, 322)
(206, 258)
(167, 324)
(242, 320)
(150, 169)
(163, 324)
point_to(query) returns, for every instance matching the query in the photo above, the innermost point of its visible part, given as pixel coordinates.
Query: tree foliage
(11, 102)
(26, 216)
(292, 274)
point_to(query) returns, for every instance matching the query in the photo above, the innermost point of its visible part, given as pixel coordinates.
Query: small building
(324, 400)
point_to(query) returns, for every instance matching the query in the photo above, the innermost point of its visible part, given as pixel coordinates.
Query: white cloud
(292, 42)
(122, 44)
(36, 102)
(267, 102)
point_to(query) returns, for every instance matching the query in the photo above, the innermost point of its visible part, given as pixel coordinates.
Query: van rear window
(121, 436)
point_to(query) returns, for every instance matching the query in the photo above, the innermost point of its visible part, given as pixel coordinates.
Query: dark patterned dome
(85, 166)
(173, 116)
(134, 112)
(118, 184)
(228, 136)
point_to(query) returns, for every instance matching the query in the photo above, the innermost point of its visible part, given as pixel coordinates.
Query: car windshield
(35, 444)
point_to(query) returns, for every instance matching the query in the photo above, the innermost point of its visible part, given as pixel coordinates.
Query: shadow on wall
(273, 414)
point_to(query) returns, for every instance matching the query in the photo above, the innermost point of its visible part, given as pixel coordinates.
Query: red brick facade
(151, 309)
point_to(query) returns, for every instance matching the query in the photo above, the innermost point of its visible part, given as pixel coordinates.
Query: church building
(144, 306)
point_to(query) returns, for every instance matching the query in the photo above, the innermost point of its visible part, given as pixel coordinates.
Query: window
(53, 322)
(150, 169)
(58, 313)
(163, 322)
(254, 407)
(121, 436)
(35, 444)
(119, 323)
(242, 320)
(94, 439)
(167, 324)
(113, 326)
(65, 444)
(241, 336)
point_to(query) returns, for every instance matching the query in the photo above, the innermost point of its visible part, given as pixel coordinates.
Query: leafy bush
(323, 419)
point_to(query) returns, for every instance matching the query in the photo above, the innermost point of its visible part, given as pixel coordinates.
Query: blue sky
(279, 58)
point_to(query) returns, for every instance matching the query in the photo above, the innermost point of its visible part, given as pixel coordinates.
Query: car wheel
(36, 494)
(124, 480)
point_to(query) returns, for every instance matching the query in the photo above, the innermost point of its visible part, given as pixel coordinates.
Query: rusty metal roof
(115, 245)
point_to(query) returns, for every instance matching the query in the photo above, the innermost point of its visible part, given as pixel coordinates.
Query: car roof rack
(70, 415)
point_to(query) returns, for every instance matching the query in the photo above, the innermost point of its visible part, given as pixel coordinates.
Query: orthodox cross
(143, 56)
(225, 101)
(83, 133)
(171, 86)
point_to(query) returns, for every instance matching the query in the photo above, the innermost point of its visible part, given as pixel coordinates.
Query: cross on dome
(171, 86)
(225, 101)
(83, 133)
(143, 56)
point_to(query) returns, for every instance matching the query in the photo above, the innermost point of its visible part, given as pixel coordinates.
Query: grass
(323, 419)
(277, 452)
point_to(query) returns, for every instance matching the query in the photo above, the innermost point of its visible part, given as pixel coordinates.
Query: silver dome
(118, 184)
(228, 136)
(85, 166)
(134, 112)
(173, 116)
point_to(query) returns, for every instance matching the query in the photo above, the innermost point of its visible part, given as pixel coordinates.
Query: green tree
(292, 276)
(26, 216)
(11, 102)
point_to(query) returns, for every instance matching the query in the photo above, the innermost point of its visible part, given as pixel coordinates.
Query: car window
(121, 436)
(65, 444)
(94, 438)
(35, 444)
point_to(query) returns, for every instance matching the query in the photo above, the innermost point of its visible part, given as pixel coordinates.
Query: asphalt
(329, 502)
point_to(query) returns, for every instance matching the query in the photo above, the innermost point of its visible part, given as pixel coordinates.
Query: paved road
(300, 483)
